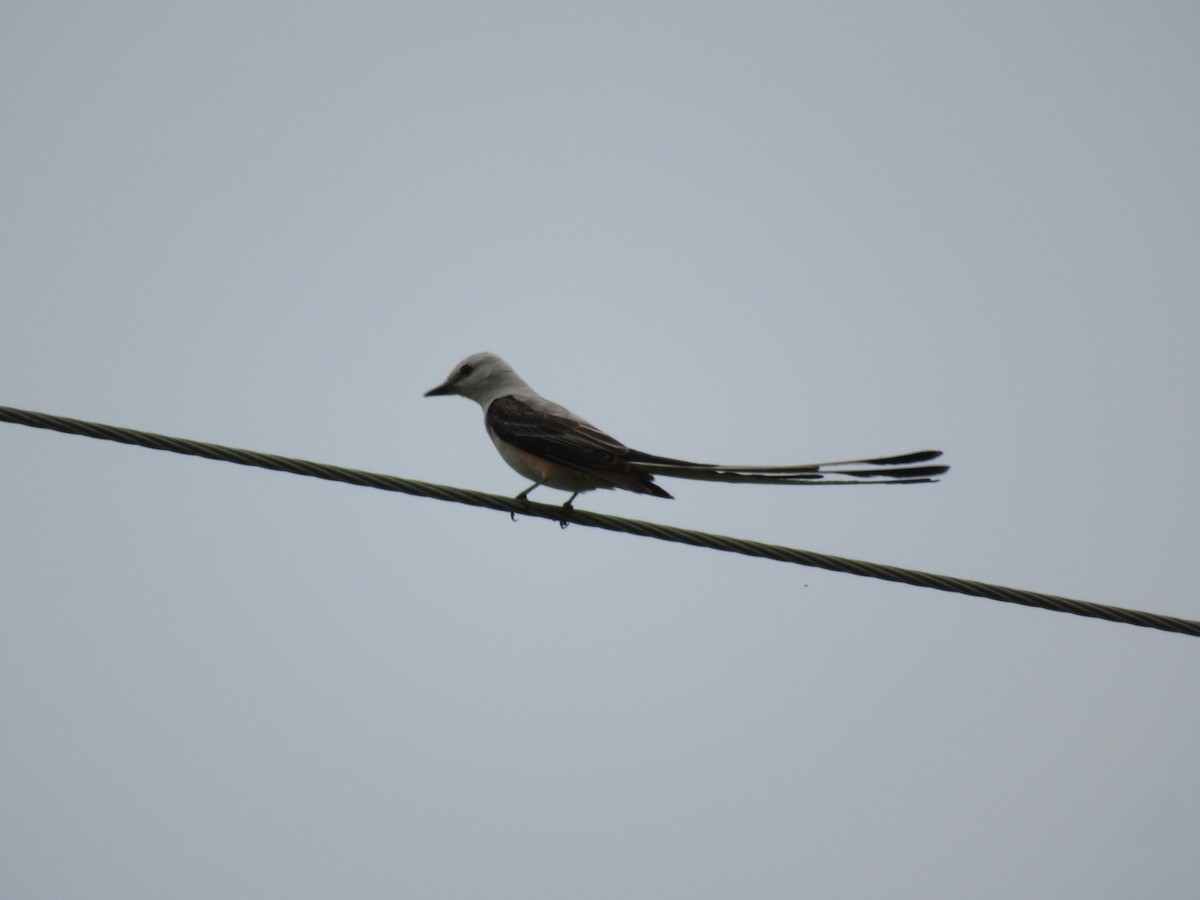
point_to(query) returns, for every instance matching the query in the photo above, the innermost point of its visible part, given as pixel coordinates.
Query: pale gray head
(482, 377)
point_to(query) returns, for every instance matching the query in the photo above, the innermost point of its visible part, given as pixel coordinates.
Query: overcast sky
(750, 233)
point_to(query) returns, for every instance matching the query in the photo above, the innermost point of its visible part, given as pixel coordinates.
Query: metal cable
(597, 520)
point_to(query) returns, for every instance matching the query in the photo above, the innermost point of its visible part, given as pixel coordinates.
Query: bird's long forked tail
(903, 469)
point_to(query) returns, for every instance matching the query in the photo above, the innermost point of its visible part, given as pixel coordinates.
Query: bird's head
(481, 377)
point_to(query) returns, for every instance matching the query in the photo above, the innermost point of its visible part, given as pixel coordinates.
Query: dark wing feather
(551, 432)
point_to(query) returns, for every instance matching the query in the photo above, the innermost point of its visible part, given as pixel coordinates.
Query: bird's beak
(440, 390)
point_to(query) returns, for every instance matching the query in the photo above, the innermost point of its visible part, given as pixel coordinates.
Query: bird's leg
(524, 498)
(562, 523)
(524, 495)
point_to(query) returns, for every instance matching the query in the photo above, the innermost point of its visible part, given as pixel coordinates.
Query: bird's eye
(464, 371)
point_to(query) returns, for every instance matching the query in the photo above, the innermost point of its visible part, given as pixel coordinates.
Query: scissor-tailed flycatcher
(552, 446)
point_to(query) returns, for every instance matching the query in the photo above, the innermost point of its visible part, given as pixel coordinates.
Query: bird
(553, 447)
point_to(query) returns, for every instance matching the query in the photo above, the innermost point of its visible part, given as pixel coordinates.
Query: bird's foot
(524, 498)
(563, 523)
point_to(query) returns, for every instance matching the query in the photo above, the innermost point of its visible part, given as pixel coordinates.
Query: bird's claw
(523, 498)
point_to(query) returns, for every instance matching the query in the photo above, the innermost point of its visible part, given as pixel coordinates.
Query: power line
(597, 520)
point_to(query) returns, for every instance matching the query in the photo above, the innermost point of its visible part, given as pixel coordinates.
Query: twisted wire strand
(598, 520)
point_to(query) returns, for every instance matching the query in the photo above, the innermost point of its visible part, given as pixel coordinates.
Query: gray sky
(754, 233)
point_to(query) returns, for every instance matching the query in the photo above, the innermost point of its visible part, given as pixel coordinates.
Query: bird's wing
(550, 431)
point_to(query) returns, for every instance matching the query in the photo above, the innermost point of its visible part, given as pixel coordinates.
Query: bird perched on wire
(552, 446)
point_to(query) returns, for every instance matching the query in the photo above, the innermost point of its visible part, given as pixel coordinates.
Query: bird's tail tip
(905, 458)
